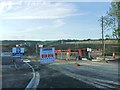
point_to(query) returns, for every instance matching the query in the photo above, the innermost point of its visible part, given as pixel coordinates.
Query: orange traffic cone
(77, 64)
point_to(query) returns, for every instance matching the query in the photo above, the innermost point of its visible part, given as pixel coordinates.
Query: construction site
(51, 44)
(89, 49)
(80, 63)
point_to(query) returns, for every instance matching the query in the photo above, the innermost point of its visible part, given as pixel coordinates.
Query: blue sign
(18, 51)
(47, 55)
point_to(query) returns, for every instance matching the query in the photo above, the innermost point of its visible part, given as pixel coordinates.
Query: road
(12, 77)
(64, 74)
(88, 75)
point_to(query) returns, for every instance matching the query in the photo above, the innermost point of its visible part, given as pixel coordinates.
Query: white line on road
(99, 83)
(34, 81)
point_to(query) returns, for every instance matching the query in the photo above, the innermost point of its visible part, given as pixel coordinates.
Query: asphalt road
(12, 77)
(65, 74)
(89, 74)
(51, 78)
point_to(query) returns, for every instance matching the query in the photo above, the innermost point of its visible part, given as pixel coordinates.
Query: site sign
(47, 55)
(89, 49)
(17, 51)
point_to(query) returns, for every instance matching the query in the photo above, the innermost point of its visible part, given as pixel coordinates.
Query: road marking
(99, 83)
(34, 81)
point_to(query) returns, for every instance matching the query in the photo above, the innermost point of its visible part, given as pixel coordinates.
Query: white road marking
(99, 83)
(34, 81)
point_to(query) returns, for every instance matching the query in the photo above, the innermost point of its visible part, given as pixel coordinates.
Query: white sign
(18, 51)
(40, 45)
(89, 49)
(47, 55)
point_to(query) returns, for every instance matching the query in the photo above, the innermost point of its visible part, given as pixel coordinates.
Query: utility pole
(103, 41)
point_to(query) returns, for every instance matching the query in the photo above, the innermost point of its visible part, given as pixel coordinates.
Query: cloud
(31, 29)
(53, 25)
(14, 9)
(58, 23)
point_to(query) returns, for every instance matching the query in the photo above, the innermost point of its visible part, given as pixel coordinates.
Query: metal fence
(66, 55)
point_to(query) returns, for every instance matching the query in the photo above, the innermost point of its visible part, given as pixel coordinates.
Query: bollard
(113, 55)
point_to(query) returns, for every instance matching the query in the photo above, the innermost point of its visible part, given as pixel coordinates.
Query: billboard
(47, 55)
(17, 51)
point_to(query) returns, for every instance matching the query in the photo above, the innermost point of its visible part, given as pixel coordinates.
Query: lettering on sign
(47, 55)
(17, 51)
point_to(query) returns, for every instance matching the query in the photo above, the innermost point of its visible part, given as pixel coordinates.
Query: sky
(46, 20)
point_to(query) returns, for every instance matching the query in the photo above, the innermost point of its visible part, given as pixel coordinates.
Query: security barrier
(67, 56)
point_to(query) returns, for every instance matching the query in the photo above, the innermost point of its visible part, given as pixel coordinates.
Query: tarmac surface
(15, 77)
(51, 78)
(64, 74)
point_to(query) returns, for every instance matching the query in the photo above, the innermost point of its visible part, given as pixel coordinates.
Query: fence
(66, 55)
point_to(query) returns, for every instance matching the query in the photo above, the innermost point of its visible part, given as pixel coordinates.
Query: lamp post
(37, 45)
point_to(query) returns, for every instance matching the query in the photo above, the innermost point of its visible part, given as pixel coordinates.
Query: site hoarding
(47, 55)
(17, 51)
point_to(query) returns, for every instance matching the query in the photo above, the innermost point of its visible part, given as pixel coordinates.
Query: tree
(114, 14)
(107, 36)
(107, 24)
(112, 20)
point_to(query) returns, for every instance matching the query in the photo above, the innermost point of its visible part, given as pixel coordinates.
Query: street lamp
(40, 46)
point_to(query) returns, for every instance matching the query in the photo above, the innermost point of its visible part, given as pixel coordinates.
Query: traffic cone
(77, 64)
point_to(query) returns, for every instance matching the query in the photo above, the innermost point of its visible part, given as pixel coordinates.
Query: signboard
(40, 45)
(47, 55)
(89, 49)
(17, 51)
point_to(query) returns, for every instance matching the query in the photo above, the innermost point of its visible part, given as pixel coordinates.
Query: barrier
(113, 55)
(71, 54)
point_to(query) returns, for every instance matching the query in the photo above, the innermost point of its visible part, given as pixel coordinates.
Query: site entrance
(71, 54)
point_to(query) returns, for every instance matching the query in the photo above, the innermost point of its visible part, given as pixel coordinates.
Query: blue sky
(43, 20)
